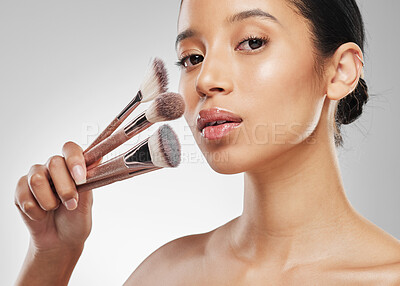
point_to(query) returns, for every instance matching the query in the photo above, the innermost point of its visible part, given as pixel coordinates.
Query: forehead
(211, 18)
(202, 12)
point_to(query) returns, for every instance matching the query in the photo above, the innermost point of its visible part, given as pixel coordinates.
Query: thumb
(83, 208)
(80, 217)
(85, 202)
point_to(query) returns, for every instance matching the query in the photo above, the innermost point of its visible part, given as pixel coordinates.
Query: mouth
(214, 123)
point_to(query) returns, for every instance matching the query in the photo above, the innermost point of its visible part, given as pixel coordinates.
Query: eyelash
(265, 40)
(181, 62)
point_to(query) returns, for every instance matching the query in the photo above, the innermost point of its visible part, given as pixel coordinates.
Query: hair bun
(350, 107)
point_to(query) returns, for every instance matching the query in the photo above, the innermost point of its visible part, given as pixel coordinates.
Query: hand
(53, 225)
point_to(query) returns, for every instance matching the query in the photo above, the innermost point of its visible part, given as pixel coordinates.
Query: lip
(215, 114)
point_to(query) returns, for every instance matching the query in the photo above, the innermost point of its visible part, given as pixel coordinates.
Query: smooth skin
(58, 226)
(297, 226)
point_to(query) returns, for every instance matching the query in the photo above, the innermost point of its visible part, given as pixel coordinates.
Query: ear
(344, 71)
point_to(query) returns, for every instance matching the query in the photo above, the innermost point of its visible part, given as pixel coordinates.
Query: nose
(214, 77)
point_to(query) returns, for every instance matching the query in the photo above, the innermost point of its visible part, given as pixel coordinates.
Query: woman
(285, 75)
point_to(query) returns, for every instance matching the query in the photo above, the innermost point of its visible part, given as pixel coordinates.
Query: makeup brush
(154, 83)
(167, 106)
(161, 150)
(113, 179)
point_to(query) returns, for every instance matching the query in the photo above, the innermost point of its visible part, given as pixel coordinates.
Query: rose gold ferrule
(130, 107)
(118, 120)
(136, 126)
(135, 159)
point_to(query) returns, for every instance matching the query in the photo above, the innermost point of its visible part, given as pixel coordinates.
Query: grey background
(68, 67)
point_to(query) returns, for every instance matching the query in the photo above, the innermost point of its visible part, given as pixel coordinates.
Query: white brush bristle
(164, 147)
(155, 80)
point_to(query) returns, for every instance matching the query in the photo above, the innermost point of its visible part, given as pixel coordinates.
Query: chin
(240, 158)
(238, 154)
(226, 168)
(229, 161)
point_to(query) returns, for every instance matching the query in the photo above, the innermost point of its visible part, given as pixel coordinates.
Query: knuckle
(67, 193)
(35, 167)
(70, 145)
(48, 206)
(36, 180)
(28, 207)
(56, 162)
(33, 211)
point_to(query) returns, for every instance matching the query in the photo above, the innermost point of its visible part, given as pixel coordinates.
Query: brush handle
(107, 169)
(113, 179)
(117, 120)
(134, 159)
(106, 132)
(136, 126)
(105, 147)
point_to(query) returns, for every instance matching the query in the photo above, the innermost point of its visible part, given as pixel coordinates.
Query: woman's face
(255, 59)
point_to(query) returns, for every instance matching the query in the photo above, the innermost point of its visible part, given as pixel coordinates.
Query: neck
(296, 200)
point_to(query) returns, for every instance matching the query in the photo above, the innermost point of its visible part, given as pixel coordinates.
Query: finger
(38, 181)
(75, 160)
(63, 182)
(26, 202)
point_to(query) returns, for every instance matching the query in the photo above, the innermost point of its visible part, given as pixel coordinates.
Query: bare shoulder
(373, 258)
(379, 245)
(387, 272)
(165, 262)
(384, 274)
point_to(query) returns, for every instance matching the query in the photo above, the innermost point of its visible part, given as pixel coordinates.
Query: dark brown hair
(333, 23)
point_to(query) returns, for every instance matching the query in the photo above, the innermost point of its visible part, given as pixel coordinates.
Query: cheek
(280, 107)
(281, 95)
(188, 90)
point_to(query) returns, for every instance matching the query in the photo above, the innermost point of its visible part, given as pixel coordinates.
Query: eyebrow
(252, 13)
(188, 33)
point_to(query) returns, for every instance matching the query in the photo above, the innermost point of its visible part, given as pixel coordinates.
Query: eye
(252, 43)
(189, 61)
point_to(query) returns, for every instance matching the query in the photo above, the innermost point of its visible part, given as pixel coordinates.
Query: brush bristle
(164, 147)
(155, 80)
(167, 106)
(162, 74)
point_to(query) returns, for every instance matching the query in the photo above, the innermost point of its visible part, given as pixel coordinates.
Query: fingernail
(71, 204)
(79, 174)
